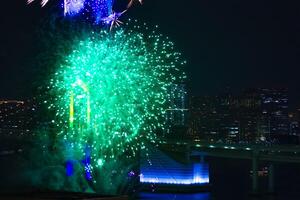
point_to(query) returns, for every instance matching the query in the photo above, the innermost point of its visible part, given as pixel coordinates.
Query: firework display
(113, 19)
(112, 93)
(98, 10)
(73, 6)
(109, 94)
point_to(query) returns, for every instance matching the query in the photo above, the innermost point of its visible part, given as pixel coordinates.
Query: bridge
(254, 152)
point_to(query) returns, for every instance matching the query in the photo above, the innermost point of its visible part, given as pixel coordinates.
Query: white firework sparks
(43, 2)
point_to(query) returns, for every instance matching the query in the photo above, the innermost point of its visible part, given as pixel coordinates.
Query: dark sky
(227, 43)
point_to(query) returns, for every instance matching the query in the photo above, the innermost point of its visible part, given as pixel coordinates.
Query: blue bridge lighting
(161, 169)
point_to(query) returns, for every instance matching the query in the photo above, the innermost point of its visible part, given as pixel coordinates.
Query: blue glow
(87, 164)
(164, 196)
(69, 168)
(92, 9)
(101, 8)
(160, 168)
(182, 176)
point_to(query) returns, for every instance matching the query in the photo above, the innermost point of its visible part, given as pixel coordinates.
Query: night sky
(227, 43)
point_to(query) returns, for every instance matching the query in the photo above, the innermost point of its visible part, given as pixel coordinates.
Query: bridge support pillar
(255, 172)
(271, 178)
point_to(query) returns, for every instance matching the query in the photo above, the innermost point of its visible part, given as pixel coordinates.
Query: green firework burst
(112, 91)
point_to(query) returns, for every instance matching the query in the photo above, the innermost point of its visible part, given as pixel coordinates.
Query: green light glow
(100, 162)
(112, 93)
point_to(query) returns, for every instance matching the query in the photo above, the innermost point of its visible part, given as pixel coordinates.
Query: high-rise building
(204, 121)
(249, 112)
(215, 118)
(275, 110)
(228, 116)
(177, 114)
(294, 119)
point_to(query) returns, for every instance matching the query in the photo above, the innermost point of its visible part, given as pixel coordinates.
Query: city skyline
(232, 44)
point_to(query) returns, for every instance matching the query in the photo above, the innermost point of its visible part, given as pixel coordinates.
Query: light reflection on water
(162, 196)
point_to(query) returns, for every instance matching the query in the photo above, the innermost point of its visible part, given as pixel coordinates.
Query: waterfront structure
(159, 168)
